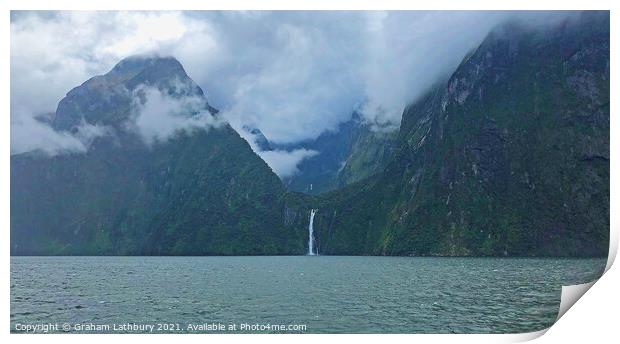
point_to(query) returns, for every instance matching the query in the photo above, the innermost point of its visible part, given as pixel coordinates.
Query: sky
(293, 75)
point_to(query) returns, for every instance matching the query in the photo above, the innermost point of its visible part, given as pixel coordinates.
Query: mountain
(369, 153)
(199, 191)
(350, 153)
(262, 143)
(509, 156)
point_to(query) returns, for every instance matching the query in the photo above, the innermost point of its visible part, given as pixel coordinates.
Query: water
(311, 233)
(324, 293)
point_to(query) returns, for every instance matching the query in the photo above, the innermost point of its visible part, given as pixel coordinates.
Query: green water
(324, 294)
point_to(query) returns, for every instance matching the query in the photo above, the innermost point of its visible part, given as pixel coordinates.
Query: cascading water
(311, 233)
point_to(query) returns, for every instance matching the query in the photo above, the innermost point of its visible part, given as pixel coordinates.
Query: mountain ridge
(350, 153)
(508, 157)
(199, 192)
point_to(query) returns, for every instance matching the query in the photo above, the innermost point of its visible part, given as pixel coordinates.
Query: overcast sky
(293, 75)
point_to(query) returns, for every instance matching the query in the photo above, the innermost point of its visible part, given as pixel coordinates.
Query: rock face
(106, 99)
(509, 156)
(199, 192)
(259, 138)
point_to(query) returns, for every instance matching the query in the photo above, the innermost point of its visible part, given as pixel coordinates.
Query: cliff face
(202, 191)
(510, 156)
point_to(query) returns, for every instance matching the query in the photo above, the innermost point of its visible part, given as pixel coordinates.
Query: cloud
(158, 116)
(406, 52)
(292, 74)
(53, 52)
(284, 163)
(29, 134)
(295, 75)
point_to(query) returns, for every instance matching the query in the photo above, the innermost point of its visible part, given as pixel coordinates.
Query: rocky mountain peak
(138, 63)
(106, 99)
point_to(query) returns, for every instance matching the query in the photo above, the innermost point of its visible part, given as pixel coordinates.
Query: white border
(595, 317)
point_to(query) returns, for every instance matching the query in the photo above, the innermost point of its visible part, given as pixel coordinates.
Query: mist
(157, 116)
(291, 74)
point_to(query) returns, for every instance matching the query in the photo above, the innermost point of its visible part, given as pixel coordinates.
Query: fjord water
(328, 294)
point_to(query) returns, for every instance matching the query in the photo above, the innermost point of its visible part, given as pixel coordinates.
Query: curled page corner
(526, 337)
(613, 249)
(570, 295)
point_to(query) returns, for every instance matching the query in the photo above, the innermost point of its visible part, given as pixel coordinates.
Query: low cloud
(284, 163)
(157, 116)
(29, 134)
(292, 74)
(55, 51)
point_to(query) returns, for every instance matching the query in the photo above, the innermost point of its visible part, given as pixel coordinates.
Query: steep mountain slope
(198, 192)
(510, 156)
(346, 155)
(369, 154)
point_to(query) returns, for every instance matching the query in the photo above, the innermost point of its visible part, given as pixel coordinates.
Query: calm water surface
(327, 294)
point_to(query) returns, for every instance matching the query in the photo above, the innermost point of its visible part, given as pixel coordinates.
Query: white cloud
(158, 116)
(296, 74)
(52, 52)
(28, 134)
(284, 163)
(145, 32)
(292, 74)
(406, 52)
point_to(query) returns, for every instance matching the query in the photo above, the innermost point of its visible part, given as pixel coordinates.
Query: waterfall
(311, 233)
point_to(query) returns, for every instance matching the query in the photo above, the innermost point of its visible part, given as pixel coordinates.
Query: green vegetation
(510, 156)
(199, 193)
